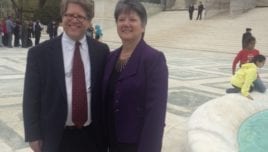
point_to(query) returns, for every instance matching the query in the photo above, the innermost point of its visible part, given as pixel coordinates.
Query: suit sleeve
(31, 98)
(155, 105)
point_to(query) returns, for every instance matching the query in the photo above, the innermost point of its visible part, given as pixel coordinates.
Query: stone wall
(152, 8)
(238, 7)
(169, 4)
(215, 7)
(262, 2)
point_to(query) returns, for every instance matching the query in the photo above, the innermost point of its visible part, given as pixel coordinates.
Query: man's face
(75, 22)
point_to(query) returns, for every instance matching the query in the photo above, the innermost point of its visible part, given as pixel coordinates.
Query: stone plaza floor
(199, 56)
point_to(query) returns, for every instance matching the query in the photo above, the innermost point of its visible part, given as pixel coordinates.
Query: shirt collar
(71, 43)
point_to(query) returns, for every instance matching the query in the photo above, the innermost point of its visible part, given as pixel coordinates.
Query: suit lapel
(133, 63)
(57, 55)
(93, 61)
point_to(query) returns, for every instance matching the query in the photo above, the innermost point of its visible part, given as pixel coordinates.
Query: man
(191, 11)
(37, 31)
(246, 36)
(200, 11)
(62, 92)
(52, 30)
(10, 28)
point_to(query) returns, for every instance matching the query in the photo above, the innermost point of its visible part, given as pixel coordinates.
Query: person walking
(135, 85)
(17, 34)
(62, 88)
(10, 28)
(52, 30)
(4, 31)
(1, 33)
(37, 32)
(200, 11)
(191, 11)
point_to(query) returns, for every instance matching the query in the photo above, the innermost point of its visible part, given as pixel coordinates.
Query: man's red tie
(79, 95)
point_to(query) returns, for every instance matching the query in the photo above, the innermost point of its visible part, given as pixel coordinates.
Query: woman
(244, 78)
(135, 85)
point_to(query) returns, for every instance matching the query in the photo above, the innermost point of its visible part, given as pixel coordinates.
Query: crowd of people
(21, 34)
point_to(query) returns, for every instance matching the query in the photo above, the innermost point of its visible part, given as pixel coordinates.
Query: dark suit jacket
(44, 99)
(140, 97)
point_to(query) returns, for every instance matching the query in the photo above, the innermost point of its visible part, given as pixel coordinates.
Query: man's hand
(36, 146)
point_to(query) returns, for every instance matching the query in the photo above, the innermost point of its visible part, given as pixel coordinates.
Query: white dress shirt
(68, 47)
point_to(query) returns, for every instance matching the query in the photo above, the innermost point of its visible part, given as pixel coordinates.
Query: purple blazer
(140, 97)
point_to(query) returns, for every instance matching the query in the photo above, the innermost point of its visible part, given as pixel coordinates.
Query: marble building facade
(215, 7)
(5, 8)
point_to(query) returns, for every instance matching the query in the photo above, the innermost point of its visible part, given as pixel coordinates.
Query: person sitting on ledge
(244, 78)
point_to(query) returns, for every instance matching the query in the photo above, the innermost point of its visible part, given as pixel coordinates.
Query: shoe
(232, 90)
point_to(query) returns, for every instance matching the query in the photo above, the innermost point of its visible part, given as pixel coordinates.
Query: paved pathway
(199, 56)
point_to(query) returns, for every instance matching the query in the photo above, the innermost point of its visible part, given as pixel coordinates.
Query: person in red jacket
(246, 54)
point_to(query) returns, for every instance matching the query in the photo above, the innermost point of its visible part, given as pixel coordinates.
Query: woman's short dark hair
(87, 5)
(131, 5)
(258, 58)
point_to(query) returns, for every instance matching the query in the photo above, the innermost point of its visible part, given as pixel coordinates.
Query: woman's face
(260, 64)
(129, 26)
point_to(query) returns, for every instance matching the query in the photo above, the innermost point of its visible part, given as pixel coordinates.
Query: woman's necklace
(121, 64)
(122, 61)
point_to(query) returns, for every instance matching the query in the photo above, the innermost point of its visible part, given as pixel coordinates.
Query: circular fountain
(214, 126)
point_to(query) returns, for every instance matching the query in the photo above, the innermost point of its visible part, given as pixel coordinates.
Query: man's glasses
(73, 16)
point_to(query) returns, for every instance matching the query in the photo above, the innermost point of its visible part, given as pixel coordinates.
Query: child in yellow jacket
(243, 79)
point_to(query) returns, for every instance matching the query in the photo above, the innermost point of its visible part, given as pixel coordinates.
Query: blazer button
(117, 101)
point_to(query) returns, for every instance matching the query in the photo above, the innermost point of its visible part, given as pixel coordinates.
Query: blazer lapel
(57, 56)
(133, 62)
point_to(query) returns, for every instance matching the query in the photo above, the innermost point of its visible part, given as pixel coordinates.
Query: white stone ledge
(213, 127)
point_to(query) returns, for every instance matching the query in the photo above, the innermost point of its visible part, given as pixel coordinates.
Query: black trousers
(78, 140)
(122, 147)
